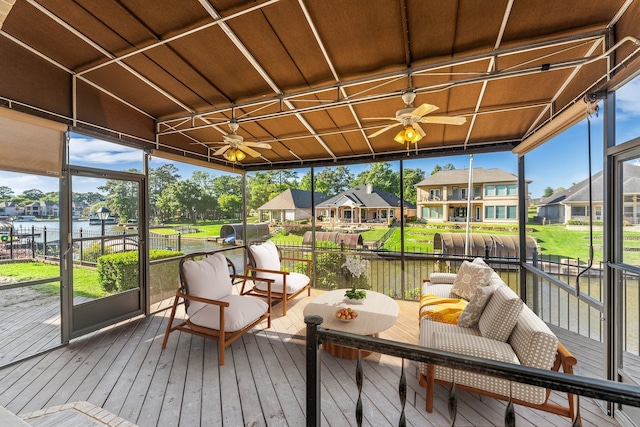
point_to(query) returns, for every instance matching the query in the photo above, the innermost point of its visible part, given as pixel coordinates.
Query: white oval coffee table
(377, 313)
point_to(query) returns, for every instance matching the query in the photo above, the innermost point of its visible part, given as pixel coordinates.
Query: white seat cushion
(295, 282)
(242, 311)
(207, 278)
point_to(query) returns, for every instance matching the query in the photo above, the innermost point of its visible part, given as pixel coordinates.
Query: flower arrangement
(358, 268)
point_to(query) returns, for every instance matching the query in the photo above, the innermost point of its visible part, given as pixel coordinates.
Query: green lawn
(85, 280)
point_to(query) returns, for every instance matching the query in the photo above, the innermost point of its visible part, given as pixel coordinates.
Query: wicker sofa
(528, 342)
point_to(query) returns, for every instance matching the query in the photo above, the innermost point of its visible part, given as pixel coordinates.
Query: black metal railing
(609, 391)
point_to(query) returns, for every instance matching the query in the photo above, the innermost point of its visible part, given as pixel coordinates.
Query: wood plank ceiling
(304, 76)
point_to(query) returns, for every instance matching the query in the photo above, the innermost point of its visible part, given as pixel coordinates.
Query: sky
(560, 162)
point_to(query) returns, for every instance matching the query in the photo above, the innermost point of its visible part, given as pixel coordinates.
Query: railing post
(11, 242)
(81, 246)
(536, 284)
(33, 242)
(314, 407)
(179, 242)
(44, 241)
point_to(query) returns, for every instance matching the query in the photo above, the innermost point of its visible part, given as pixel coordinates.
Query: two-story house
(444, 196)
(42, 209)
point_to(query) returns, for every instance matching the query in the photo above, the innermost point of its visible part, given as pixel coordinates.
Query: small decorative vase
(354, 301)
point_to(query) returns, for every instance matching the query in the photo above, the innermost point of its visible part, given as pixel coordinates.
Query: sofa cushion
(500, 314)
(474, 346)
(533, 342)
(441, 290)
(471, 314)
(470, 276)
(207, 278)
(444, 278)
(488, 349)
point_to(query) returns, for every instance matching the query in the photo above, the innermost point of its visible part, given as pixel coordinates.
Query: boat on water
(98, 221)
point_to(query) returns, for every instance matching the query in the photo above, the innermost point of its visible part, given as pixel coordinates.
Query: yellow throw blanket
(444, 310)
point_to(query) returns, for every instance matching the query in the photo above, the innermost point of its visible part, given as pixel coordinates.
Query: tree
(437, 168)
(51, 196)
(264, 186)
(226, 184)
(121, 197)
(167, 205)
(284, 179)
(330, 181)
(207, 203)
(230, 204)
(90, 198)
(411, 177)
(382, 177)
(5, 192)
(547, 192)
(33, 194)
(159, 179)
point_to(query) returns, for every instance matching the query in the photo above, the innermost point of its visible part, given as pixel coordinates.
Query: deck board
(123, 369)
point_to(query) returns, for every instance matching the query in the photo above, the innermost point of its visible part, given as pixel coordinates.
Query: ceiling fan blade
(210, 142)
(378, 118)
(424, 109)
(250, 151)
(257, 144)
(221, 150)
(383, 130)
(419, 129)
(444, 120)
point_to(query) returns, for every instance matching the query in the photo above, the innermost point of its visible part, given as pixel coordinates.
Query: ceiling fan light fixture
(409, 133)
(234, 155)
(416, 137)
(230, 154)
(399, 138)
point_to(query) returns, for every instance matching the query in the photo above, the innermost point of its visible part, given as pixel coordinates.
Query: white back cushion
(207, 278)
(266, 256)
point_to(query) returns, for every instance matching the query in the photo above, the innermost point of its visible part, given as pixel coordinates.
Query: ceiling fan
(410, 118)
(235, 148)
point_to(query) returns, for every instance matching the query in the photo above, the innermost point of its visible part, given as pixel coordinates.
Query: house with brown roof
(444, 196)
(364, 203)
(290, 205)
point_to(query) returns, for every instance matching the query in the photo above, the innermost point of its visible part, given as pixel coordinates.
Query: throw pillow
(472, 312)
(470, 276)
(479, 261)
(500, 314)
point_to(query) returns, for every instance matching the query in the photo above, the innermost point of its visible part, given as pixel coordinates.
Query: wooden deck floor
(123, 370)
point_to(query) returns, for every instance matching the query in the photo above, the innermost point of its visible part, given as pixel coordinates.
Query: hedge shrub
(119, 272)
